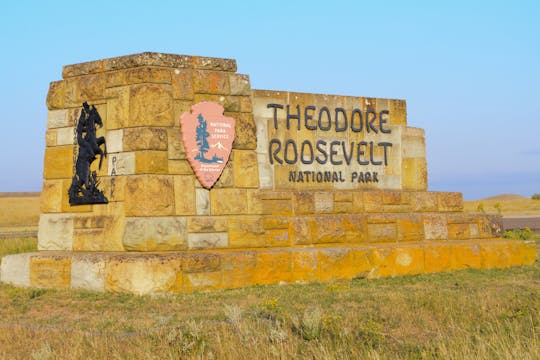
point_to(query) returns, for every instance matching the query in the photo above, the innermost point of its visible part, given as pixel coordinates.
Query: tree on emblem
(201, 138)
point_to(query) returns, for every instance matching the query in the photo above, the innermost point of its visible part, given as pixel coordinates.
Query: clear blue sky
(469, 70)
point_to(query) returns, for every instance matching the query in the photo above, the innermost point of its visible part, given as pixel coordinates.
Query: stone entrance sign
(213, 185)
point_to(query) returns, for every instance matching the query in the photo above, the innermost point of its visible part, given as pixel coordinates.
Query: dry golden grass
(506, 204)
(19, 209)
(462, 315)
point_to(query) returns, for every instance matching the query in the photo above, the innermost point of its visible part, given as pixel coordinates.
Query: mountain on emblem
(208, 136)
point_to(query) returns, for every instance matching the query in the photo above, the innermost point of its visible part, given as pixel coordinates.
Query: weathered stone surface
(175, 144)
(381, 230)
(55, 96)
(149, 195)
(151, 162)
(410, 228)
(58, 162)
(324, 202)
(57, 119)
(121, 164)
(180, 167)
(228, 202)
(414, 174)
(184, 195)
(247, 231)
(239, 84)
(246, 169)
(55, 232)
(150, 105)
(88, 272)
(155, 234)
(211, 82)
(219, 64)
(465, 256)
(51, 196)
(245, 132)
(305, 266)
(202, 201)
(196, 262)
(117, 107)
(450, 201)
(182, 84)
(148, 74)
(144, 138)
(142, 275)
(335, 264)
(304, 203)
(50, 271)
(207, 224)
(272, 267)
(15, 269)
(435, 227)
(208, 240)
(90, 239)
(202, 281)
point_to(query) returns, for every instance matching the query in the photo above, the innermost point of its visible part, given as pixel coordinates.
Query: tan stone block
(246, 232)
(208, 240)
(202, 201)
(384, 231)
(355, 228)
(89, 88)
(324, 202)
(424, 201)
(51, 271)
(238, 268)
(57, 119)
(255, 202)
(211, 82)
(231, 104)
(435, 227)
(450, 201)
(86, 221)
(358, 202)
(155, 234)
(327, 229)
(58, 162)
(149, 195)
(305, 265)
(55, 232)
(276, 222)
(144, 138)
(176, 144)
(343, 196)
(245, 165)
(184, 195)
(206, 224)
(335, 263)
(437, 257)
(458, 231)
(15, 269)
(277, 207)
(300, 231)
(55, 96)
(202, 281)
(114, 187)
(88, 272)
(227, 177)
(398, 112)
(382, 260)
(245, 104)
(413, 146)
(114, 79)
(113, 227)
(65, 136)
(490, 226)
(281, 177)
(372, 201)
(218, 64)
(303, 202)
(117, 107)
(180, 167)
(150, 105)
(409, 260)
(360, 262)
(410, 228)
(151, 274)
(151, 162)
(66, 207)
(200, 262)
(273, 267)
(277, 238)
(414, 174)
(182, 84)
(228, 201)
(154, 75)
(239, 84)
(343, 208)
(51, 196)
(121, 164)
(465, 256)
(245, 132)
(88, 239)
(50, 137)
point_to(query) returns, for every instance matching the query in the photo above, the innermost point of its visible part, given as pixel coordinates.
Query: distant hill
(20, 194)
(505, 197)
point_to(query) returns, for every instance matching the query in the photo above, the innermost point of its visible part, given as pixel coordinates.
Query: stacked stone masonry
(163, 232)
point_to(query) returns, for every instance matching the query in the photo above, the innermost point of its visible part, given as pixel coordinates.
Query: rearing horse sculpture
(83, 188)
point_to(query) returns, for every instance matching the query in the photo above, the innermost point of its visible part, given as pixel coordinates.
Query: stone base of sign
(186, 271)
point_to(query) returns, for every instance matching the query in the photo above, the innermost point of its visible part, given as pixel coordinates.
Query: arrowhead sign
(208, 136)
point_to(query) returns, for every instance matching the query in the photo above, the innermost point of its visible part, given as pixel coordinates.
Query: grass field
(507, 204)
(19, 210)
(462, 315)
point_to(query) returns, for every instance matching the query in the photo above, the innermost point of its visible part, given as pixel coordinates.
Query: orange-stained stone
(50, 271)
(273, 267)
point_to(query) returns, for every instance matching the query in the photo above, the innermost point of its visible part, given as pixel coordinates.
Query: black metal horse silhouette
(84, 185)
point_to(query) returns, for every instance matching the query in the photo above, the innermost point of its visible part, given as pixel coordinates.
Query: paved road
(521, 222)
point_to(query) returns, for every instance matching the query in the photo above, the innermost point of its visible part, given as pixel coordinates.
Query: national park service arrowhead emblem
(208, 136)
